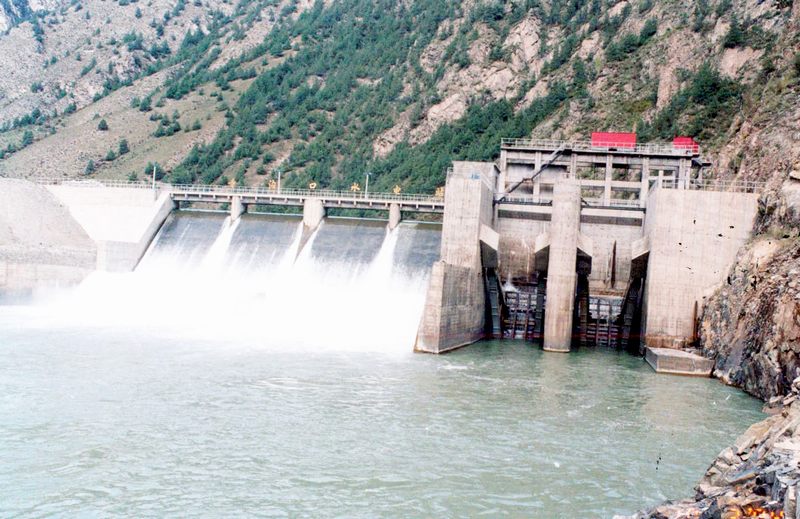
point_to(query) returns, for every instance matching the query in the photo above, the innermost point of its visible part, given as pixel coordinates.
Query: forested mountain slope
(325, 92)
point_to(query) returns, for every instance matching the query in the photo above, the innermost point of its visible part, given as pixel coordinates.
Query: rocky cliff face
(752, 325)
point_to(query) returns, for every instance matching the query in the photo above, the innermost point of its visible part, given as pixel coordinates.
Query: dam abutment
(455, 307)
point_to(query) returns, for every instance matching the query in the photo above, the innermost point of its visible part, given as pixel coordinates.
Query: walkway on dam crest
(287, 197)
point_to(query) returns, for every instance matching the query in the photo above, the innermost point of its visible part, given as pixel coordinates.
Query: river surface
(103, 421)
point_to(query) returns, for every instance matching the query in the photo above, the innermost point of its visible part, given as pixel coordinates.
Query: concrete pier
(313, 213)
(394, 216)
(692, 238)
(237, 207)
(561, 274)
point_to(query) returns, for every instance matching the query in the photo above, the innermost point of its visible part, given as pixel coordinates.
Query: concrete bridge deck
(297, 197)
(283, 197)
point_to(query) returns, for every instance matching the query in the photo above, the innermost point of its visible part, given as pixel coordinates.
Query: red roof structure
(613, 140)
(686, 143)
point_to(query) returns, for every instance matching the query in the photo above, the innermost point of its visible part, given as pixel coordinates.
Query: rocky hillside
(326, 91)
(752, 325)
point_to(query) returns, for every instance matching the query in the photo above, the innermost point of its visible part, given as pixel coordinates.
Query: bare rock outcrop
(751, 326)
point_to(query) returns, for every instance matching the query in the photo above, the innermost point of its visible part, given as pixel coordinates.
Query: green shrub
(123, 147)
(102, 125)
(148, 170)
(145, 104)
(648, 31)
(90, 168)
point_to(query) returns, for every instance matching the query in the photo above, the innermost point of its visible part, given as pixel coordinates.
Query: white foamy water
(346, 288)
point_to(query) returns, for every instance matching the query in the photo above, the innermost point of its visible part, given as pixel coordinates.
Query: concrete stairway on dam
(630, 315)
(547, 162)
(494, 307)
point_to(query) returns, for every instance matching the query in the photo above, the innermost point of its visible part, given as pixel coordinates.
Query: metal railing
(301, 193)
(224, 191)
(522, 199)
(737, 186)
(488, 182)
(542, 200)
(654, 148)
(614, 202)
(94, 183)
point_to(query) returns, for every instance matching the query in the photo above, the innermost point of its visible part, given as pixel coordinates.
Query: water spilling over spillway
(260, 278)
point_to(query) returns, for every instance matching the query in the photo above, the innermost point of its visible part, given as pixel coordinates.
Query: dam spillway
(649, 239)
(352, 280)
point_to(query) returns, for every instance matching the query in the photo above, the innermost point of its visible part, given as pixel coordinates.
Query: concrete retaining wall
(455, 304)
(121, 221)
(693, 238)
(57, 235)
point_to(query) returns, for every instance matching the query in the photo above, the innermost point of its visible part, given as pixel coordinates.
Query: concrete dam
(558, 243)
(572, 243)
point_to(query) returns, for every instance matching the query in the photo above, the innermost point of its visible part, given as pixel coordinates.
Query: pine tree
(102, 125)
(735, 36)
(123, 147)
(90, 168)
